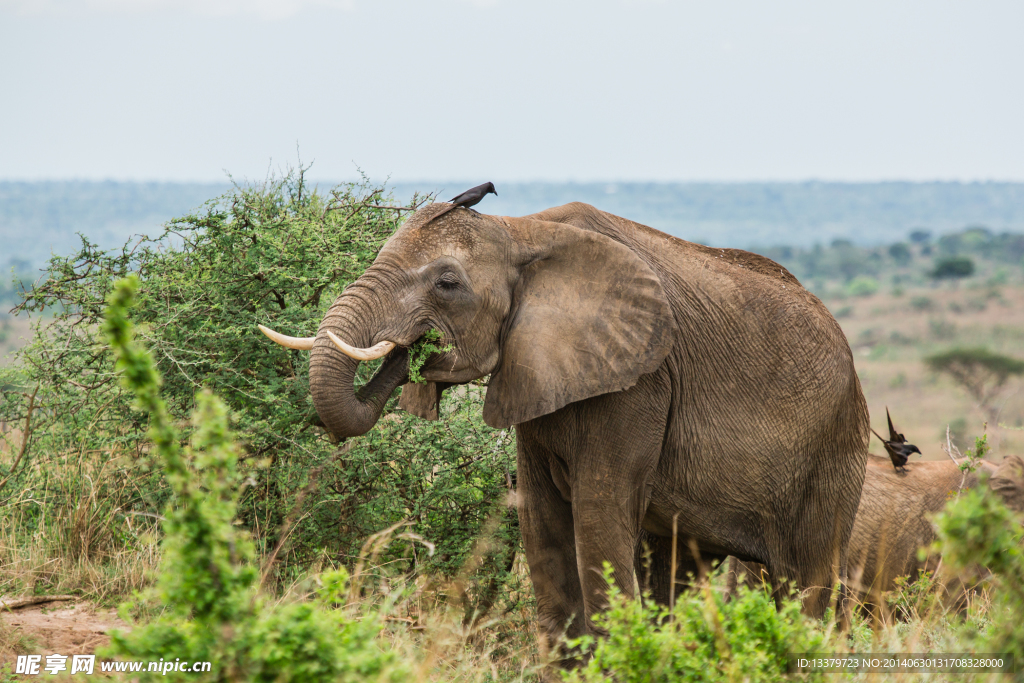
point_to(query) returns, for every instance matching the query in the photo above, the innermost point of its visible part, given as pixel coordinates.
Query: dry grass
(445, 648)
(15, 641)
(930, 622)
(427, 622)
(72, 531)
(38, 564)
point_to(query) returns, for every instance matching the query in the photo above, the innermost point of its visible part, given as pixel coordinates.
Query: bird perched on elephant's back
(896, 446)
(648, 379)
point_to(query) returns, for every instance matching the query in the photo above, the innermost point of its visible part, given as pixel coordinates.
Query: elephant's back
(660, 249)
(712, 287)
(893, 519)
(765, 351)
(745, 260)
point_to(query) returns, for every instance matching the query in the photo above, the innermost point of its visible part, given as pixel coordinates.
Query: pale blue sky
(502, 90)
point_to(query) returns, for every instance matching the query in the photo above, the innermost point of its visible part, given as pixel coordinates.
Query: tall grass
(72, 530)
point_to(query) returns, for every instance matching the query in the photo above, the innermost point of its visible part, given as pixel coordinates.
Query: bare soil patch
(60, 628)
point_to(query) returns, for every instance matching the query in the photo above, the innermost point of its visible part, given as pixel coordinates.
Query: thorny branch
(24, 438)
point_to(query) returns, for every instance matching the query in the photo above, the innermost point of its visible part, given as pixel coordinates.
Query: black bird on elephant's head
(470, 197)
(896, 446)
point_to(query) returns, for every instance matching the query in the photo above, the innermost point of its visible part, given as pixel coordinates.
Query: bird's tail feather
(446, 210)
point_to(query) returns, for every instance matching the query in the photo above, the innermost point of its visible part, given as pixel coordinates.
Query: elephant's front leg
(546, 525)
(607, 531)
(612, 444)
(588, 467)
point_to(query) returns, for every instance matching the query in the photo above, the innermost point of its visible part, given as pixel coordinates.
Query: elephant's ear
(422, 399)
(1008, 482)
(588, 317)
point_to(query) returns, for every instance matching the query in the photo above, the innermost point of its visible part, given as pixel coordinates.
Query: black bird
(896, 446)
(470, 197)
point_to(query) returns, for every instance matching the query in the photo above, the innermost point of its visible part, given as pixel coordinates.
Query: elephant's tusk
(373, 353)
(298, 343)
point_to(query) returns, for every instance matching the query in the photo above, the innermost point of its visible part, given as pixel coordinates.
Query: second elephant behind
(894, 520)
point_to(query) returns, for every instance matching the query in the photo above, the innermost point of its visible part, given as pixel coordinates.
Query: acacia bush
(982, 372)
(207, 583)
(953, 268)
(277, 253)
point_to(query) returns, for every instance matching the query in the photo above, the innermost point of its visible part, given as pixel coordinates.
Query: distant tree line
(919, 259)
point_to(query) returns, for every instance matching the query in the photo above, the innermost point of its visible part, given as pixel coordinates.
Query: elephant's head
(553, 312)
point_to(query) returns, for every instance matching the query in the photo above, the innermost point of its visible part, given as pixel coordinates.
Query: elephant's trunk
(344, 411)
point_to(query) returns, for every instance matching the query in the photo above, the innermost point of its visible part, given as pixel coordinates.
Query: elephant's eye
(448, 282)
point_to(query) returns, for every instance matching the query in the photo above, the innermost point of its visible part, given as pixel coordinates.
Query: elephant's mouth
(402, 363)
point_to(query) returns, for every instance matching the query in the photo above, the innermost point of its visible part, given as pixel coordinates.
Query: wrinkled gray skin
(894, 521)
(647, 378)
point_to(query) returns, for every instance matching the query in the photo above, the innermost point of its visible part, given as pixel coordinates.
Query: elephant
(893, 521)
(653, 384)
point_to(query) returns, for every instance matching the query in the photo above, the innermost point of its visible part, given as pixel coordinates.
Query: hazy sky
(513, 90)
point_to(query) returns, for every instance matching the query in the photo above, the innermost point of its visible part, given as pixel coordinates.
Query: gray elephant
(650, 381)
(894, 521)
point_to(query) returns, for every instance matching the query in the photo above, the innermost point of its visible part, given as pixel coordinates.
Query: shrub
(278, 254)
(939, 328)
(1000, 277)
(899, 252)
(207, 583)
(982, 372)
(922, 303)
(978, 530)
(704, 638)
(914, 598)
(863, 285)
(953, 268)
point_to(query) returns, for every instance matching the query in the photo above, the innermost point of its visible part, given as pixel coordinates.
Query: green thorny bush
(207, 583)
(422, 350)
(277, 253)
(980, 539)
(703, 638)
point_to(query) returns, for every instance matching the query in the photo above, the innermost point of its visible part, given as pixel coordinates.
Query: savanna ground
(415, 514)
(891, 335)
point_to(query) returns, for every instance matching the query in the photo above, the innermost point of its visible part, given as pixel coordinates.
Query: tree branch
(24, 438)
(34, 600)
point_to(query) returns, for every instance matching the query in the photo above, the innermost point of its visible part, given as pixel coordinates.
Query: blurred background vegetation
(40, 218)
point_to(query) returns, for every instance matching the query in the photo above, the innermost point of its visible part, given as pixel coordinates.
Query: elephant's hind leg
(654, 567)
(817, 562)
